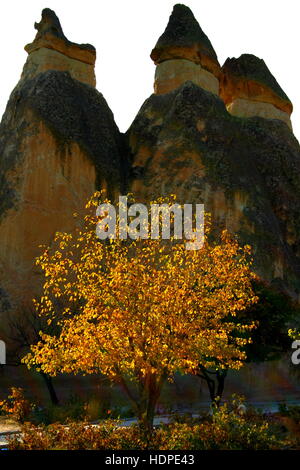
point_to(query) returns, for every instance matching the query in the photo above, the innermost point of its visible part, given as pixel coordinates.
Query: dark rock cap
(50, 30)
(182, 33)
(49, 23)
(250, 67)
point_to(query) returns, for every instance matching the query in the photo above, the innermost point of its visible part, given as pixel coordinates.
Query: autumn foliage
(140, 310)
(224, 430)
(16, 405)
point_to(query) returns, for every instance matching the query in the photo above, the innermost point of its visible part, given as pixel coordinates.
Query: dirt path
(8, 425)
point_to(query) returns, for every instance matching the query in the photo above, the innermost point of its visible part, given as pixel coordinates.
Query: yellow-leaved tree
(138, 311)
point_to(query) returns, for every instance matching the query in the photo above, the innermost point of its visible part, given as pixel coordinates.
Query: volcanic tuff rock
(51, 50)
(58, 143)
(212, 135)
(242, 162)
(248, 88)
(184, 52)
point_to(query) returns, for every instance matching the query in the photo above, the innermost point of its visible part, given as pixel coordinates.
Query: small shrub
(93, 409)
(120, 412)
(289, 417)
(78, 436)
(72, 410)
(16, 405)
(290, 411)
(224, 430)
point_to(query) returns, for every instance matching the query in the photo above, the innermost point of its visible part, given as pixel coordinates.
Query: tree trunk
(221, 376)
(144, 404)
(50, 387)
(215, 387)
(150, 390)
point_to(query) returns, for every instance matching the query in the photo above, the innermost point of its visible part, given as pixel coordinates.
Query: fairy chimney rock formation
(248, 89)
(184, 53)
(51, 50)
(235, 152)
(58, 144)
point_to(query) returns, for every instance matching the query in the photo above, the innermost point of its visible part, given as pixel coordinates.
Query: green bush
(72, 410)
(292, 411)
(78, 409)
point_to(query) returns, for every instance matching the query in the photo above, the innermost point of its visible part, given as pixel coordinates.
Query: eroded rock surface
(248, 88)
(51, 50)
(235, 153)
(184, 52)
(58, 144)
(245, 171)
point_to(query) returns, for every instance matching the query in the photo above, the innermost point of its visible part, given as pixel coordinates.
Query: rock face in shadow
(245, 171)
(58, 144)
(235, 152)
